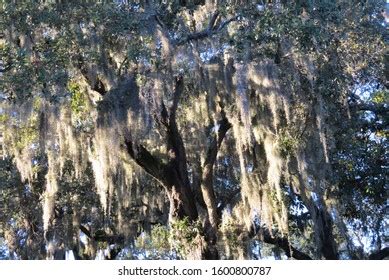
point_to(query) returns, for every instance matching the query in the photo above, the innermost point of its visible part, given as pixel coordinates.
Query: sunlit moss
(381, 97)
(257, 104)
(140, 80)
(4, 118)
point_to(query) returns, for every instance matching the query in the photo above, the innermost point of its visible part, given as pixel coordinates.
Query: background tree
(194, 129)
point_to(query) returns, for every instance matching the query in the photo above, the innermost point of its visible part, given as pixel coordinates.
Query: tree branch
(207, 171)
(101, 236)
(178, 90)
(373, 107)
(86, 231)
(222, 127)
(226, 22)
(213, 20)
(209, 31)
(91, 76)
(168, 117)
(146, 160)
(374, 126)
(178, 160)
(379, 255)
(283, 243)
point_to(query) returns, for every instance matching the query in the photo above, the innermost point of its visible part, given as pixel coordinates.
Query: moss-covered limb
(380, 254)
(102, 236)
(328, 247)
(103, 240)
(175, 144)
(380, 109)
(173, 175)
(208, 192)
(147, 161)
(212, 29)
(282, 76)
(283, 243)
(97, 79)
(177, 95)
(181, 204)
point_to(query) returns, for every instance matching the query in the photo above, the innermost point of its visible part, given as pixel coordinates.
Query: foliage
(185, 236)
(287, 144)
(182, 129)
(27, 134)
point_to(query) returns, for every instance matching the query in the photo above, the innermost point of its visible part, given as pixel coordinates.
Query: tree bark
(328, 246)
(173, 175)
(264, 235)
(379, 255)
(207, 172)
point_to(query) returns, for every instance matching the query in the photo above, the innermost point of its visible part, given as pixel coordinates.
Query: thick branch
(375, 108)
(178, 90)
(283, 243)
(213, 20)
(101, 236)
(226, 22)
(91, 76)
(146, 160)
(222, 127)
(209, 31)
(374, 126)
(86, 231)
(380, 255)
(358, 104)
(207, 171)
(176, 146)
(168, 117)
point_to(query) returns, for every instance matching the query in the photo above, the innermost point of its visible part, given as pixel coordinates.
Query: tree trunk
(173, 176)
